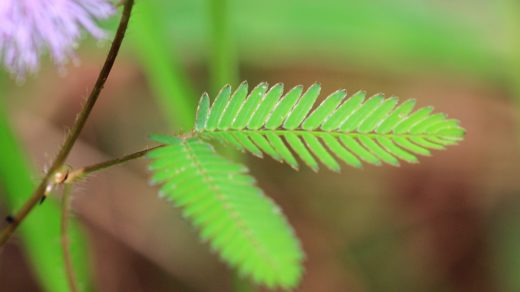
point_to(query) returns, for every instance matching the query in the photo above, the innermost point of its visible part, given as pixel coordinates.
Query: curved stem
(46, 183)
(65, 244)
(100, 83)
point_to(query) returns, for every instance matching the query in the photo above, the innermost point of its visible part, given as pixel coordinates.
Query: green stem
(77, 174)
(223, 65)
(161, 66)
(65, 243)
(300, 132)
(73, 135)
(511, 11)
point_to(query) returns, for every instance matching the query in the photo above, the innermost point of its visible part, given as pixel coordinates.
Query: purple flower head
(29, 28)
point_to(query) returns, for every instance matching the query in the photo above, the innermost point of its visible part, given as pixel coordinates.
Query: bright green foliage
(354, 129)
(220, 198)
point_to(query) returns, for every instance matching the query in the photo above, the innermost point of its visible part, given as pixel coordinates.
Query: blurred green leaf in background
(397, 35)
(40, 233)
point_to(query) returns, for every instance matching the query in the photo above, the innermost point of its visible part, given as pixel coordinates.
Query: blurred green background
(450, 223)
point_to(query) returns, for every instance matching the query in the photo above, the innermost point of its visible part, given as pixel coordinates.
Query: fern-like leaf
(353, 130)
(219, 197)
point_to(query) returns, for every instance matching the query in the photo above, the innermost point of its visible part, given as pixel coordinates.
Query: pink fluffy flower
(29, 28)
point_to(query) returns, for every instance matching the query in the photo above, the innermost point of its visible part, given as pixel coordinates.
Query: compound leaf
(375, 130)
(221, 199)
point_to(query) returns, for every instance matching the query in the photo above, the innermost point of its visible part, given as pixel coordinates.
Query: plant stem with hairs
(47, 182)
(77, 174)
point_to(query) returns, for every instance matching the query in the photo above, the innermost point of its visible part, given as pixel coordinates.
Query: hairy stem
(46, 183)
(65, 243)
(80, 173)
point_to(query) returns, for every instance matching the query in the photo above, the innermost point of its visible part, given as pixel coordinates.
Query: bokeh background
(450, 223)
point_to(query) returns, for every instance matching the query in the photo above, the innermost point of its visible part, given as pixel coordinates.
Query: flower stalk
(47, 182)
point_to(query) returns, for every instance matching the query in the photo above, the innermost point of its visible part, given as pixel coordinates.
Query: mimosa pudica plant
(219, 196)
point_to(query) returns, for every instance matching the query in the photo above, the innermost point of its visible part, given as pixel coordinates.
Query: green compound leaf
(374, 130)
(221, 199)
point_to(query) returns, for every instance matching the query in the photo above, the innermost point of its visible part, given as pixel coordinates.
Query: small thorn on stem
(46, 193)
(10, 219)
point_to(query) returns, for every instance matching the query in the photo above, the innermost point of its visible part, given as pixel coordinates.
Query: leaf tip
(334, 167)
(263, 85)
(226, 89)
(411, 101)
(242, 86)
(258, 154)
(394, 163)
(202, 112)
(357, 165)
(316, 86)
(164, 139)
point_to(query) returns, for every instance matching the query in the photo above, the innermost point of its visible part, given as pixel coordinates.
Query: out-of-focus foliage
(396, 35)
(505, 239)
(223, 67)
(163, 70)
(41, 231)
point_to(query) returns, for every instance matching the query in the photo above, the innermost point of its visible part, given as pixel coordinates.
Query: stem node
(47, 183)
